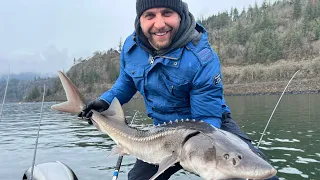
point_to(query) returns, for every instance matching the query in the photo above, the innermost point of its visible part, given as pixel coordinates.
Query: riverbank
(260, 79)
(297, 86)
(306, 86)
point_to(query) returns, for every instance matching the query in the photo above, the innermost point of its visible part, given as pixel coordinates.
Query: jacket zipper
(152, 58)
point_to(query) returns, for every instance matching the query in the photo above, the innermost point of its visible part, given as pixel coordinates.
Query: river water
(292, 141)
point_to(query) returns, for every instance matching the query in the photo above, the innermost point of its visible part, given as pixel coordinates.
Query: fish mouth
(264, 175)
(251, 173)
(271, 173)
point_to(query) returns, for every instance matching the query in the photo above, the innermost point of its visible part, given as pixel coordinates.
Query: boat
(50, 171)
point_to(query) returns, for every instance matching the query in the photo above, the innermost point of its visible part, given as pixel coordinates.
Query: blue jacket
(184, 83)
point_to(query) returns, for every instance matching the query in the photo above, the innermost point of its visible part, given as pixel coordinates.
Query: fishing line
(5, 93)
(36, 144)
(118, 165)
(275, 109)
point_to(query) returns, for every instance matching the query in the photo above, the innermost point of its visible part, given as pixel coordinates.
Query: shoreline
(298, 86)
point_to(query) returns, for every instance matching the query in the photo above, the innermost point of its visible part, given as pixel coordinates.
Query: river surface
(292, 141)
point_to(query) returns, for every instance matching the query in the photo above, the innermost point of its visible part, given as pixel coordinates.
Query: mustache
(163, 30)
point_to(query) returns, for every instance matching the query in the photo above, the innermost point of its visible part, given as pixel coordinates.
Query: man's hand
(98, 105)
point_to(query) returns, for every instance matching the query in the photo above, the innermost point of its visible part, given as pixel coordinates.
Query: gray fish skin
(200, 148)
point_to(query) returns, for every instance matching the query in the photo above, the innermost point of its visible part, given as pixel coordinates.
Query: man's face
(160, 25)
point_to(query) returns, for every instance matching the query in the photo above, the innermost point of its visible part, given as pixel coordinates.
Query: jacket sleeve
(206, 93)
(124, 87)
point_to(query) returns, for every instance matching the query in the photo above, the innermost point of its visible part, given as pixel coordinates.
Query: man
(168, 59)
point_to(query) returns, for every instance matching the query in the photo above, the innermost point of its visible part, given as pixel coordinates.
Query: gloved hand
(98, 105)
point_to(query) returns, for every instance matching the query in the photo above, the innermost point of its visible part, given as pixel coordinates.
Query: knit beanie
(143, 5)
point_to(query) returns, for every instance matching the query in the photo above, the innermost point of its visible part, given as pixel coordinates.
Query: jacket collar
(130, 43)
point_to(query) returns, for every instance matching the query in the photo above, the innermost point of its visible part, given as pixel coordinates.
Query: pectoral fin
(117, 150)
(165, 163)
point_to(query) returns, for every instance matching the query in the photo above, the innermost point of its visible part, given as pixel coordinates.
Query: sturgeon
(200, 148)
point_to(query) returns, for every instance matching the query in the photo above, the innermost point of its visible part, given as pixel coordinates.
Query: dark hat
(143, 5)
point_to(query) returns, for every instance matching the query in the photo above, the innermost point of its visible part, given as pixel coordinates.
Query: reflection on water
(291, 142)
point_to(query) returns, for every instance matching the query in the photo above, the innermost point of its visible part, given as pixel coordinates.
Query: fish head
(222, 155)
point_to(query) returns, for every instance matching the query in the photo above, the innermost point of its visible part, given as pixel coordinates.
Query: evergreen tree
(241, 34)
(250, 13)
(33, 94)
(264, 6)
(266, 22)
(243, 13)
(120, 45)
(48, 93)
(297, 9)
(235, 14)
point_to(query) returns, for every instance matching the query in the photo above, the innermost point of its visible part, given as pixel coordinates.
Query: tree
(243, 13)
(256, 11)
(250, 13)
(266, 22)
(33, 94)
(264, 6)
(241, 34)
(297, 9)
(263, 47)
(235, 14)
(49, 93)
(120, 45)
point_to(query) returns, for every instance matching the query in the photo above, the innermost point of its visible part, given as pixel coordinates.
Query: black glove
(98, 105)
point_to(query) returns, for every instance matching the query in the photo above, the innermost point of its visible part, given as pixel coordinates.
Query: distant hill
(286, 29)
(27, 76)
(21, 90)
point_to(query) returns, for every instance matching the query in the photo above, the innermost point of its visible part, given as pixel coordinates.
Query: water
(291, 143)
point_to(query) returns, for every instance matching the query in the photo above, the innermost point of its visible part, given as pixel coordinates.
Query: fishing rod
(36, 144)
(4, 96)
(275, 109)
(118, 165)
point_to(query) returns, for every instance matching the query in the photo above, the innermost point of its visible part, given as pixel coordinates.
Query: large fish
(200, 148)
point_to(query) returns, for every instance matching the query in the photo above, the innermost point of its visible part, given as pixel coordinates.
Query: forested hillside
(260, 48)
(283, 30)
(25, 90)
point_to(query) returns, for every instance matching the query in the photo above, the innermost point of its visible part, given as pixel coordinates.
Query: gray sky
(45, 35)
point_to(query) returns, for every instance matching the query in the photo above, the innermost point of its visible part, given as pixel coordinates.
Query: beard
(161, 42)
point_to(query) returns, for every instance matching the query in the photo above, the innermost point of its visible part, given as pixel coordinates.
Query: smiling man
(160, 25)
(169, 60)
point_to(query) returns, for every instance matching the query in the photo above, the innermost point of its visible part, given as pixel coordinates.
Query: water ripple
(291, 170)
(291, 142)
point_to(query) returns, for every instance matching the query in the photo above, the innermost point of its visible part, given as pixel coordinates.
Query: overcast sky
(45, 35)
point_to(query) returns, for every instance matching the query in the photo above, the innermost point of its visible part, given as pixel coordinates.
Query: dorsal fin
(114, 110)
(75, 102)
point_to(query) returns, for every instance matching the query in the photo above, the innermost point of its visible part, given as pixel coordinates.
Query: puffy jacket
(185, 83)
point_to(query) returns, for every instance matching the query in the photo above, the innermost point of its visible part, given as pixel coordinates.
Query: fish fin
(114, 110)
(117, 150)
(75, 102)
(165, 163)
